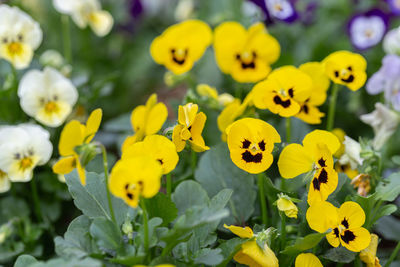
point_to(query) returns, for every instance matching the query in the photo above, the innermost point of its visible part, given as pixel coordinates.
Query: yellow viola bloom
(368, 255)
(340, 134)
(72, 136)
(135, 177)
(181, 45)
(346, 68)
(287, 206)
(314, 155)
(251, 142)
(307, 260)
(250, 253)
(309, 111)
(189, 128)
(245, 54)
(146, 120)
(345, 224)
(159, 147)
(282, 95)
(207, 91)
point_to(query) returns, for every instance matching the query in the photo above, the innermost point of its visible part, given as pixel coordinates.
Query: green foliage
(340, 254)
(389, 189)
(162, 206)
(304, 243)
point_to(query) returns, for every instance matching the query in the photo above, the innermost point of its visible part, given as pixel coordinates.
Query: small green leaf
(305, 243)
(230, 248)
(25, 261)
(162, 206)
(389, 189)
(389, 228)
(189, 194)
(385, 211)
(208, 256)
(106, 234)
(340, 254)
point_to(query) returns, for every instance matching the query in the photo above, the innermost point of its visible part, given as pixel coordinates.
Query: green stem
(193, 161)
(36, 203)
(332, 106)
(283, 229)
(357, 261)
(145, 226)
(66, 38)
(105, 164)
(288, 130)
(169, 184)
(262, 199)
(393, 256)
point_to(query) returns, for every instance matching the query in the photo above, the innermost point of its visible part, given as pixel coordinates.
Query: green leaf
(161, 206)
(88, 262)
(340, 254)
(92, 198)
(106, 234)
(77, 242)
(367, 204)
(25, 261)
(305, 243)
(9, 251)
(152, 224)
(208, 256)
(19, 208)
(189, 194)
(385, 211)
(216, 171)
(389, 228)
(389, 189)
(230, 248)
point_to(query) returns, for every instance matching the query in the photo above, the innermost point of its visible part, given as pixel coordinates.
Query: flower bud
(287, 206)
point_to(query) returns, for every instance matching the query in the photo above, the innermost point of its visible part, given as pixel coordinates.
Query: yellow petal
(93, 124)
(333, 238)
(355, 239)
(294, 160)
(187, 113)
(288, 207)
(81, 171)
(242, 232)
(138, 118)
(351, 215)
(156, 118)
(322, 185)
(316, 137)
(340, 134)
(71, 136)
(18, 54)
(252, 255)
(101, 22)
(368, 255)
(197, 141)
(322, 216)
(316, 71)
(310, 114)
(307, 260)
(64, 165)
(177, 138)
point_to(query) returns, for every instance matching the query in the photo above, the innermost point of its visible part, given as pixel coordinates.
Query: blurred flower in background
(394, 6)
(20, 35)
(367, 29)
(391, 42)
(282, 10)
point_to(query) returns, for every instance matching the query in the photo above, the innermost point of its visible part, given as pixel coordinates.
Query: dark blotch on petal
(348, 80)
(315, 184)
(248, 157)
(261, 145)
(336, 73)
(304, 109)
(278, 101)
(321, 162)
(246, 144)
(348, 236)
(290, 91)
(345, 223)
(336, 232)
(129, 195)
(323, 177)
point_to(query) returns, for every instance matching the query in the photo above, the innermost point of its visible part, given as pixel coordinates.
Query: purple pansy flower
(367, 29)
(394, 6)
(283, 10)
(387, 80)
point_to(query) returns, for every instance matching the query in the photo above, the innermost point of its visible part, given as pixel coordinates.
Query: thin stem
(105, 164)
(288, 130)
(332, 106)
(283, 229)
(193, 161)
(262, 199)
(393, 256)
(169, 184)
(36, 203)
(66, 38)
(145, 226)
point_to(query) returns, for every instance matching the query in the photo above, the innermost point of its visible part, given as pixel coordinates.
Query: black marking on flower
(176, 60)
(316, 184)
(129, 195)
(261, 145)
(304, 109)
(246, 144)
(345, 223)
(336, 73)
(322, 179)
(321, 162)
(279, 101)
(290, 91)
(247, 65)
(336, 232)
(349, 79)
(348, 236)
(161, 161)
(248, 157)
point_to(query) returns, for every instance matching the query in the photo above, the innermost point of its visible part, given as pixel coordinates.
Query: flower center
(278, 7)
(51, 107)
(25, 163)
(14, 48)
(179, 55)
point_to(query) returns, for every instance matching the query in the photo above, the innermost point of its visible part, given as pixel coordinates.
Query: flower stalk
(332, 106)
(66, 38)
(145, 226)
(169, 184)
(393, 256)
(263, 204)
(36, 203)
(105, 164)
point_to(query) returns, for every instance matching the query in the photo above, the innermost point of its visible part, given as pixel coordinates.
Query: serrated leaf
(106, 234)
(304, 243)
(161, 206)
(340, 254)
(216, 171)
(92, 198)
(389, 189)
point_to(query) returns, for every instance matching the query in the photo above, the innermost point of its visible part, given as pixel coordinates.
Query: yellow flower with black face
(250, 253)
(314, 155)
(282, 95)
(73, 136)
(307, 260)
(135, 177)
(345, 224)
(346, 68)
(189, 128)
(159, 147)
(181, 45)
(146, 120)
(245, 54)
(309, 111)
(251, 142)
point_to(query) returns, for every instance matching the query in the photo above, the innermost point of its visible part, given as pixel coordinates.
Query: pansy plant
(181, 45)
(346, 68)
(245, 54)
(315, 156)
(344, 223)
(282, 95)
(251, 142)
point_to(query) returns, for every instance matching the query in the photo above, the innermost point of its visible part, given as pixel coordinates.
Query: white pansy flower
(86, 12)
(391, 42)
(47, 96)
(4, 182)
(384, 122)
(22, 148)
(20, 35)
(352, 150)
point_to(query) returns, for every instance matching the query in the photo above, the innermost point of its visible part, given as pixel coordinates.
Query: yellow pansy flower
(250, 253)
(146, 120)
(181, 45)
(282, 95)
(307, 260)
(135, 177)
(73, 136)
(309, 111)
(250, 143)
(314, 155)
(287, 206)
(345, 224)
(245, 54)
(346, 68)
(340, 134)
(159, 147)
(189, 128)
(368, 255)
(207, 91)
